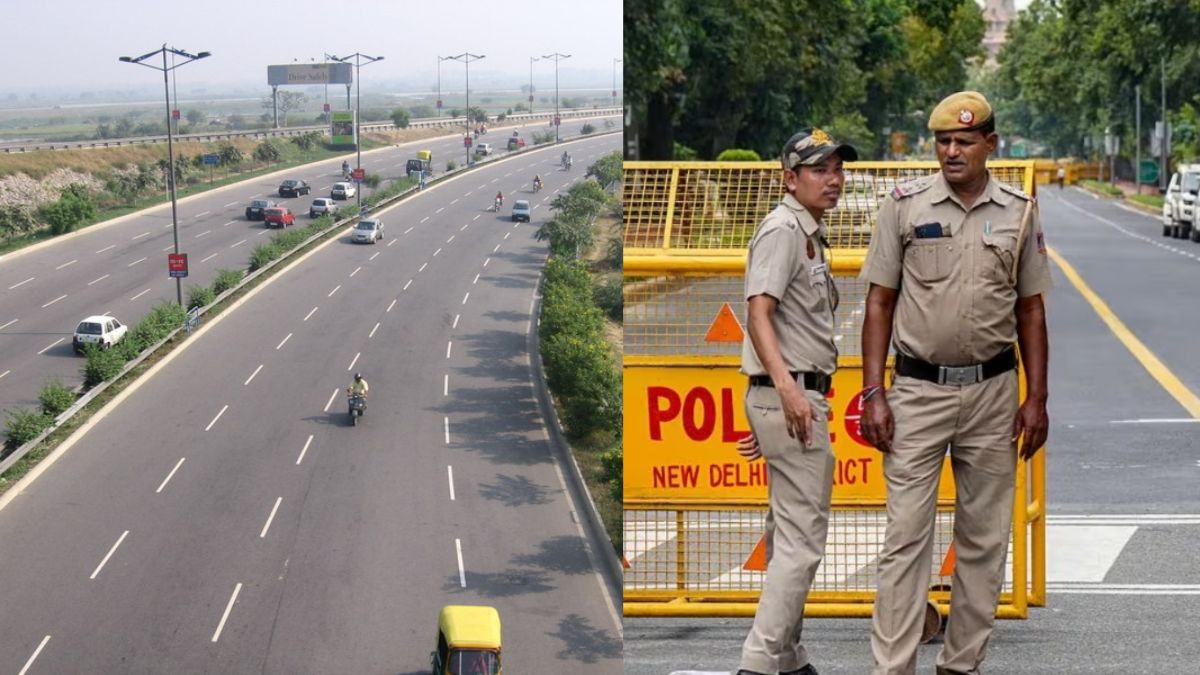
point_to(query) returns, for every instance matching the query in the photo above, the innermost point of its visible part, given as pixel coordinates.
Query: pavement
(1123, 465)
(226, 518)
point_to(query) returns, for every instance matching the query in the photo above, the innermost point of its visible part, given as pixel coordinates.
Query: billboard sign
(310, 73)
(342, 128)
(177, 265)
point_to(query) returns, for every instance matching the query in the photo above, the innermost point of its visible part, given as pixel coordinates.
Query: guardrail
(425, 123)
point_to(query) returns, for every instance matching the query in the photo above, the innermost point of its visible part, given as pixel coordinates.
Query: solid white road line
(67, 264)
(465, 297)
(1167, 420)
(263, 534)
(446, 385)
(203, 260)
(462, 574)
(107, 248)
(409, 283)
(54, 301)
(93, 281)
(9, 324)
(50, 346)
(110, 552)
(214, 420)
(305, 448)
(136, 262)
(330, 401)
(280, 345)
(237, 244)
(139, 295)
(248, 379)
(335, 290)
(1123, 589)
(35, 655)
(168, 478)
(23, 282)
(446, 426)
(228, 608)
(353, 361)
(422, 267)
(476, 280)
(390, 306)
(450, 477)
(456, 317)
(1125, 519)
(310, 313)
(448, 343)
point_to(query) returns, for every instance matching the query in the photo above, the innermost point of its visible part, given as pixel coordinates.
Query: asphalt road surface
(226, 518)
(1123, 465)
(120, 267)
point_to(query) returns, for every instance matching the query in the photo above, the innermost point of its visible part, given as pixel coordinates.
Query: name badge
(929, 231)
(818, 270)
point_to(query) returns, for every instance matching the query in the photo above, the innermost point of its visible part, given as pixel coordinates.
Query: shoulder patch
(912, 187)
(1015, 191)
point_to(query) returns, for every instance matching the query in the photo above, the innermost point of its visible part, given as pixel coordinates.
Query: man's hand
(1034, 423)
(877, 424)
(748, 448)
(797, 412)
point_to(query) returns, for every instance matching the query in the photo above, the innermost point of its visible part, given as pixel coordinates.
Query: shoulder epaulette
(912, 187)
(1016, 192)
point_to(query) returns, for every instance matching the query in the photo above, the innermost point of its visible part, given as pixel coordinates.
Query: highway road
(1123, 465)
(225, 518)
(120, 267)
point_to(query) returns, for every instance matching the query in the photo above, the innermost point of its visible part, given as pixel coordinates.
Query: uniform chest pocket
(818, 281)
(999, 254)
(929, 259)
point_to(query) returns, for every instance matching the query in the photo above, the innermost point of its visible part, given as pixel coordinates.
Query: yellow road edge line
(1157, 369)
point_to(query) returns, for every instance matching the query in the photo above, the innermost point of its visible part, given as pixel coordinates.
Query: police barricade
(693, 508)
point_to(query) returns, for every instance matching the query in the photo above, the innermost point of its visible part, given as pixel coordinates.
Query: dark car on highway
(294, 188)
(256, 208)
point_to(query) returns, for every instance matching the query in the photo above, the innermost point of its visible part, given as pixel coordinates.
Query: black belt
(956, 375)
(813, 381)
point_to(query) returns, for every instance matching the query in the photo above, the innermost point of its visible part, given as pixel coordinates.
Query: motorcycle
(358, 405)
(567, 164)
(537, 185)
(496, 204)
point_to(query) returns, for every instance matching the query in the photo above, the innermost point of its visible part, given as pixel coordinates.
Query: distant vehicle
(279, 217)
(484, 149)
(368, 231)
(294, 188)
(1179, 203)
(520, 210)
(101, 330)
(422, 162)
(516, 143)
(342, 191)
(322, 205)
(256, 208)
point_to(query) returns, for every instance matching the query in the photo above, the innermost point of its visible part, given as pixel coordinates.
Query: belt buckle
(960, 375)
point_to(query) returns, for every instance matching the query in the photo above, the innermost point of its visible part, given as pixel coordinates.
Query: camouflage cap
(812, 146)
(961, 111)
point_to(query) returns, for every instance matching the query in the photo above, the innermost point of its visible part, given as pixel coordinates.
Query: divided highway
(225, 517)
(120, 268)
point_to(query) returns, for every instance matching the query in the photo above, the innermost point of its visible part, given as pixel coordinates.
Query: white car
(483, 149)
(342, 191)
(1179, 203)
(321, 206)
(368, 231)
(104, 330)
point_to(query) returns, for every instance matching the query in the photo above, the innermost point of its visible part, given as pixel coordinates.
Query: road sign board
(358, 174)
(326, 107)
(1149, 171)
(557, 120)
(466, 141)
(212, 159)
(177, 265)
(174, 114)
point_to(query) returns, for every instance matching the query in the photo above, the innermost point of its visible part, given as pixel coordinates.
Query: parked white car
(1179, 203)
(101, 330)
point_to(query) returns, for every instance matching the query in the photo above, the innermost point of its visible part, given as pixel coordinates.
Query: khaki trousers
(800, 487)
(975, 421)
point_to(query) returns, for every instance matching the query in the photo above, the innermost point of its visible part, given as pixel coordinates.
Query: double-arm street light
(359, 61)
(557, 57)
(439, 98)
(466, 58)
(142, 61)
(531, 60)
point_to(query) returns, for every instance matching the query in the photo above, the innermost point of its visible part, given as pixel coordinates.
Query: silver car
(368, 231)
(321, 206)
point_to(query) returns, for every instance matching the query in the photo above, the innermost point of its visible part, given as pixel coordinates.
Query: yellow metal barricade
(693, 508)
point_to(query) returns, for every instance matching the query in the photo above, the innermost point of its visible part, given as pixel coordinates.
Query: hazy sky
(58, 43)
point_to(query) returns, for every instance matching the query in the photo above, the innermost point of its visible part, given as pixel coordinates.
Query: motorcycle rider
(499, 200)
(345, 169)
(537, 183)
(358, 388)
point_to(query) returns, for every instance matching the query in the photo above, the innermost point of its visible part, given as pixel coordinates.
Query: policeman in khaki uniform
(957, 268)
(789, 356)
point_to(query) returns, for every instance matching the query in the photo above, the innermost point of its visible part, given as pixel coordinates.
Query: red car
(278, 217)
(516, 143)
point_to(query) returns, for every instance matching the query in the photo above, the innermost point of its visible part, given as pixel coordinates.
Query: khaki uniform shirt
(787, 261)
(958, 292)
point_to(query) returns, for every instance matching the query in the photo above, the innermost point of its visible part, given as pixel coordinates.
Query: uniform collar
(941, 191)
(807, 222)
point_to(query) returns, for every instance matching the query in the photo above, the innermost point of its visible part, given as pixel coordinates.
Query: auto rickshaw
(468, 641)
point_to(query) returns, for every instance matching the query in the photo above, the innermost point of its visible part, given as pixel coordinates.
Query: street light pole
(466, 58)
(358, 62)
(439, 98)
(614, 89)
(531, 60)
(557, 57)
(166, 70)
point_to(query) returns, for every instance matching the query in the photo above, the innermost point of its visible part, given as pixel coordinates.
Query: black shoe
(806, 670)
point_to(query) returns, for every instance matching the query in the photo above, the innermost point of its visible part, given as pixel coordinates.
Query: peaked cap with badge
(961, 111)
